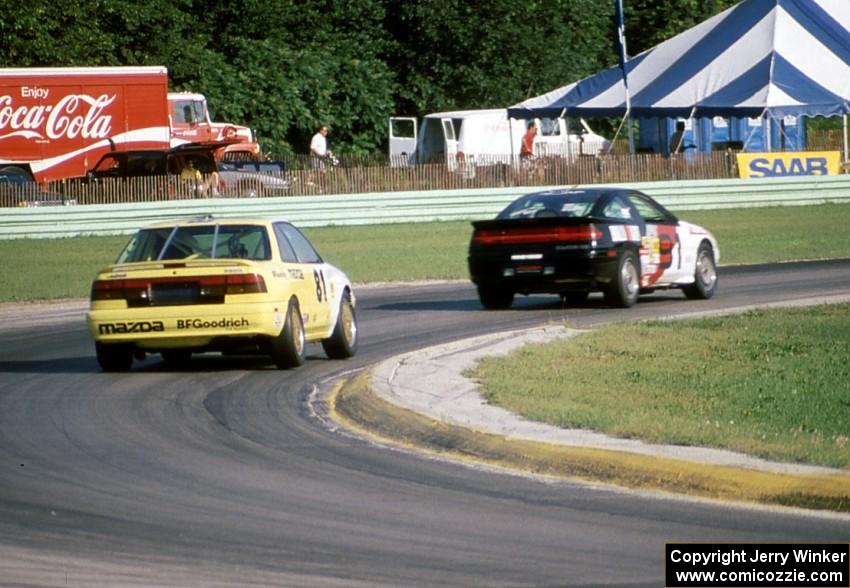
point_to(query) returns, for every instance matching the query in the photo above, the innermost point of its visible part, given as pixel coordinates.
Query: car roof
(598, 190)
(211, 220)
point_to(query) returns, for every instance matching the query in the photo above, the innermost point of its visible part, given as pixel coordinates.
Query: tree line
(284, 67)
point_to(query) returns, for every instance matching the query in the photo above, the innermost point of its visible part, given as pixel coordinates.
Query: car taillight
(108, 290)
(536, 235)
(208, 286)
(245, 284)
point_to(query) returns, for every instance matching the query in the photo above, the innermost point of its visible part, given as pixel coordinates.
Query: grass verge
(767, 383)
(354, 404)
(40, 269)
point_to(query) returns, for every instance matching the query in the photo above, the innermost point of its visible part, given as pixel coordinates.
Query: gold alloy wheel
(349, 325)
(298, 340)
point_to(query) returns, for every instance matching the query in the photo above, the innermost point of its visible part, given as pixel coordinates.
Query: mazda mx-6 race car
(230, 285)
(574, 241)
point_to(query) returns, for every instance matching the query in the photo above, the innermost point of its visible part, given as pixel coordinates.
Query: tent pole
(845, 139)
(511, 137)
(567, 129)
(624, 61)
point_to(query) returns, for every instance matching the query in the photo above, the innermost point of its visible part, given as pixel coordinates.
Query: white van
(484, 137)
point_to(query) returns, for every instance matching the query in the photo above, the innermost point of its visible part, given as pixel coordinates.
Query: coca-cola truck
(57, 123)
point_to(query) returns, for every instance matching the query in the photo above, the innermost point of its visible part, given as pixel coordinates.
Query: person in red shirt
(526, 151)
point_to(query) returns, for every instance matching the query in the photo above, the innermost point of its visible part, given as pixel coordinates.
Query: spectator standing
(676, 139)
(526, 150)
(319, 148)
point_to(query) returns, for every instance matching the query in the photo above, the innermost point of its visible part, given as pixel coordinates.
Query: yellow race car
(233, 285)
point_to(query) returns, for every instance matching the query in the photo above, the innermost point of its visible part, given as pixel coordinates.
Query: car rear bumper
(168, 327)
(572, 272)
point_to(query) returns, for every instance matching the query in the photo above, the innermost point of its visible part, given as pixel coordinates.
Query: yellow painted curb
(354, 404)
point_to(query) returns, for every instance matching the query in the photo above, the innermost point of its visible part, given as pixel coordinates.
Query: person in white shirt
(319, 148)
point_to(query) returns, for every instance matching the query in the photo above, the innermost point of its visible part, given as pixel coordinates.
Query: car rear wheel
(287, 349)
(624, 289)
(495, 298)
(705, 275)
(114, 357)
(342, 343)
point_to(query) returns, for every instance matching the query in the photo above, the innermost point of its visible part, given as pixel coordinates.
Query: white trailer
(485, 137)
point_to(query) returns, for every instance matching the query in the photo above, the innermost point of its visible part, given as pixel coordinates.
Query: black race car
(574, 241)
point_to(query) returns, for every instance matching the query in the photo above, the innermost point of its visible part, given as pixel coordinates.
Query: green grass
(771, 383)
(39, 269)
(786, 233)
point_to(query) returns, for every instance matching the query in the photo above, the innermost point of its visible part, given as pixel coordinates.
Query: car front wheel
(624, 289)
(705, 275)
(342, 343)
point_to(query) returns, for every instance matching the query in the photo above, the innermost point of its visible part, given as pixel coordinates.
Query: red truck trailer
(57, 123)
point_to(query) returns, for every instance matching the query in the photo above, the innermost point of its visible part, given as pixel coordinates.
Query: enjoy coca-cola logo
(75, 115)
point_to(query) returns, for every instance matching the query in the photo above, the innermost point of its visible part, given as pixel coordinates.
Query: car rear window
(193, 242)
(572, 204)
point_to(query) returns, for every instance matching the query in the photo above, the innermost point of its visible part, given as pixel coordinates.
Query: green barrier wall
(398, 207)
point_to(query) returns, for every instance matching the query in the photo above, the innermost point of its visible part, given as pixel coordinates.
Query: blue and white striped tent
(759, 58)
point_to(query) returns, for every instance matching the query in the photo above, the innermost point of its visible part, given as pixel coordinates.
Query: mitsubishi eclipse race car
(230, 285)
(572, 242)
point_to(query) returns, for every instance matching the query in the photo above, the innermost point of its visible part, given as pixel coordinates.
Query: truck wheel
(342, 343)
(287, 349)
(495, 298)
(114, 357)
(705, 275)
(624, 289)
(15, 170)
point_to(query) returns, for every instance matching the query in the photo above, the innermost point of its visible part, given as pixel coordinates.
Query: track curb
(361, 402)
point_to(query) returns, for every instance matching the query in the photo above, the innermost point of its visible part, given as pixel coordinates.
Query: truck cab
(190, 122)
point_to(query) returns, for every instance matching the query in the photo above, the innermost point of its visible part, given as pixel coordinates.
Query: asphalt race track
(221, 474)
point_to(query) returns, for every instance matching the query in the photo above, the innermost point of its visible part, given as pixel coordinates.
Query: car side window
(287, 253)
(619, 209)
(648, 211)
(303, 249)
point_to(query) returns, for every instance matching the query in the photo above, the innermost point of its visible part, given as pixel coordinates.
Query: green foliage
(286, 67)
(650, 22)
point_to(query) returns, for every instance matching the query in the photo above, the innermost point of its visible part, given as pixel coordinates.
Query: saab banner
(801, 163)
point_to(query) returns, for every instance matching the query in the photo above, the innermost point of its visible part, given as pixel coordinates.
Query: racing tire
(114, 357)
(495, 298)
(705, 275)
(342, 343)
(624, 289)
(288, 348)
(176, 357)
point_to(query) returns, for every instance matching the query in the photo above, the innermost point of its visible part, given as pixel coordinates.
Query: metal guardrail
(402, 207)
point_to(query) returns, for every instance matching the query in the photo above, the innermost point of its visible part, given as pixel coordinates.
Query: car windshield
(564, 204)
(193, 242)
